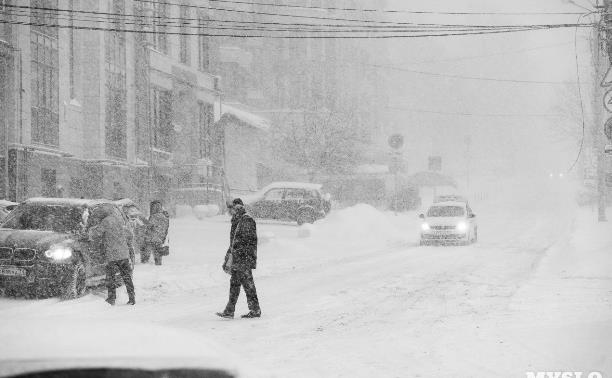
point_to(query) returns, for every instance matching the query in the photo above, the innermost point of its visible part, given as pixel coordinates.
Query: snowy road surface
(354, 295)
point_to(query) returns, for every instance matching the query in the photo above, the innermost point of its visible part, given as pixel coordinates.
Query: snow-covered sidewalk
(559, 320)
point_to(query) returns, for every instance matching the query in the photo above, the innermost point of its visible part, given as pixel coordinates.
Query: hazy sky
(532, 56)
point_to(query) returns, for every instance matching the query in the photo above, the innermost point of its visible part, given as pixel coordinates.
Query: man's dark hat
(234, 202)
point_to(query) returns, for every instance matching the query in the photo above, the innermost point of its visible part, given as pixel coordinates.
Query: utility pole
(602, 48)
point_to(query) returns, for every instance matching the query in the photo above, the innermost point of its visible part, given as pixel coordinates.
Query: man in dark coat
(155, 234)
(114, 238)
(240, 260)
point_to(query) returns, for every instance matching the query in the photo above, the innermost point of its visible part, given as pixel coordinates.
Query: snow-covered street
(354, 295)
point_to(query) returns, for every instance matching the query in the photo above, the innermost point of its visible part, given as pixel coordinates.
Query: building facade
(89, 110)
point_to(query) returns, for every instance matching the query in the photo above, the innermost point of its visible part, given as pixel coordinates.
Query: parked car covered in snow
(44, 250)
(449, 222)
(294, 201)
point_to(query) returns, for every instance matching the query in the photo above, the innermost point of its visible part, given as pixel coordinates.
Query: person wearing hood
(155, 234)
(240, 260)
(112, 235)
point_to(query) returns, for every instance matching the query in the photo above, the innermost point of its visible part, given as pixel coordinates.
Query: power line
(467, 114)
(396, 11)
(382, 24)
(25, 9)
(370, 28)
(422, 34)
(272, 14)
(471, 57)
(580, 97)
(468, 77)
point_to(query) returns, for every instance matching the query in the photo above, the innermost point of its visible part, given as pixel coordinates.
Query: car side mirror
(422, 216)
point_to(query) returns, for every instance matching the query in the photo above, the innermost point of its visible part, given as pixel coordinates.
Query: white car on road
(449, 222)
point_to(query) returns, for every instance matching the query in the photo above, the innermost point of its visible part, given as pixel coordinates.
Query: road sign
(607, 80)
(608, 129)
(396, 141)
(608, 101)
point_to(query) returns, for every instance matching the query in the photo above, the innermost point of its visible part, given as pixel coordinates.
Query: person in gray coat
(114, 238)
(156, 233)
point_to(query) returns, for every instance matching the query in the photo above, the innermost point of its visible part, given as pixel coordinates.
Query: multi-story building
(89, 110)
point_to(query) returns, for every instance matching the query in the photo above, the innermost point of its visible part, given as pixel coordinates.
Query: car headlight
(462, 227)
(59, 253)
(425, 227)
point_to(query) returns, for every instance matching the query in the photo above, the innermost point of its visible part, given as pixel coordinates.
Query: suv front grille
(443, 227)
(24, 254)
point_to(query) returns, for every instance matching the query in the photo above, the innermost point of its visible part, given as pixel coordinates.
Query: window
(203, 44)
(48, 180)
(445, 211)
(206, 135)
(294, 195)
(274, 195)
(184, 38)
(5, 28)
(160, 38)
(311, 194)
(116, 90)
(162, 119)
(44, 76)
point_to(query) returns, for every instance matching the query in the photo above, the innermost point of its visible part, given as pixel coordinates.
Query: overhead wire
(580, 97)
(395, 11)
(383, 24)
(472, 57)
(421, 34)
(104, 19)
(452, 76)
(469, 114)
(416, 30)
(271, 13)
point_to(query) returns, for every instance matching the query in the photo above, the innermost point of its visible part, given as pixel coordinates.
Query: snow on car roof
(66, 201)
(125, 202)
(4, 203)
(292, 185)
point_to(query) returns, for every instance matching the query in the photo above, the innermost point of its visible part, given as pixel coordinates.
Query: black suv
(44, 250)
(294, 201)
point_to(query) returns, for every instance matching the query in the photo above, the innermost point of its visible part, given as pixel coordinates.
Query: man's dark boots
(252, 314)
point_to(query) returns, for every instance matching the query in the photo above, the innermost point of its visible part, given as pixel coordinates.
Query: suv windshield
(44, 218)
(445, 211)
